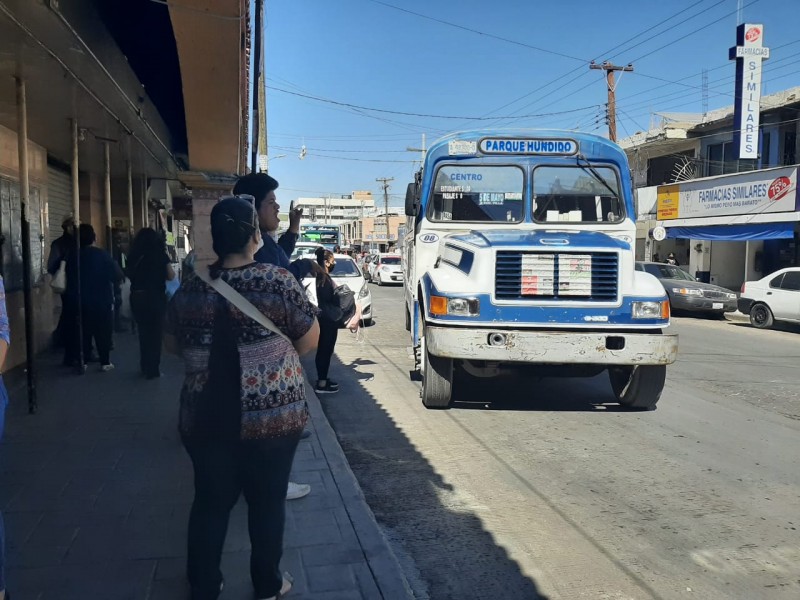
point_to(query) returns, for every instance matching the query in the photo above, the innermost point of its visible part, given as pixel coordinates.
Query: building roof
(676, 126)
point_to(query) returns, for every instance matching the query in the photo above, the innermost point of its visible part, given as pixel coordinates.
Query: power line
(482, 33)
(410, 114)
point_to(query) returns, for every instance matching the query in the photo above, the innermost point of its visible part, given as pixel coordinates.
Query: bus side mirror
(411, 200)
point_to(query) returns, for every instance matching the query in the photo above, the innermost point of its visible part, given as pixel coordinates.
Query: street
(531, 489)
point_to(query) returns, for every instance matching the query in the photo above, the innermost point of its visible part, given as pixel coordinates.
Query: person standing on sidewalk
(328, 330)
(99, 274)
(5, 340)
(243, 399)
(149, 269)
(60, 250)
(262, 188)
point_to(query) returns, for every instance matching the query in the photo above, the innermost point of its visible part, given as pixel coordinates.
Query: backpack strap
(231, 295)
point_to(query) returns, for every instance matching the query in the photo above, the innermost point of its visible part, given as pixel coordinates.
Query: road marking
(750, 559)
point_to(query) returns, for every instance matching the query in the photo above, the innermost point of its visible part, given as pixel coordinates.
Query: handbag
(240, 302)
(341, 310)
(59, 282)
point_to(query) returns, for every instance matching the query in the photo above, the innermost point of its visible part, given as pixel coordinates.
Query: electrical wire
(430, 116)
(481, 33)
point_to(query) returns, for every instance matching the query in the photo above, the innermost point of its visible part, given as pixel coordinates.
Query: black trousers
(70, 336)
(328, 332)
(148, 309)
(98, 326)
(222, 471)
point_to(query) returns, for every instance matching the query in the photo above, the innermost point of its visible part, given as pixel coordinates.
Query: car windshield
(667, 272)
(390, 260)
(477, 193)
(576, 194)
(345, 267)
(303, 251)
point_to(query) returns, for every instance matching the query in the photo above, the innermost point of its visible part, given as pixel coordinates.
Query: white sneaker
(297, 490)
(286, 587)
(106, 368)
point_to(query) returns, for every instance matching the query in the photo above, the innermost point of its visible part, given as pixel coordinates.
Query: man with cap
(60, 250)
(671, 260)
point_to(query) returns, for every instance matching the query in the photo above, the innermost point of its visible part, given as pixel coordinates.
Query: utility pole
(384, 181)
(612, 100)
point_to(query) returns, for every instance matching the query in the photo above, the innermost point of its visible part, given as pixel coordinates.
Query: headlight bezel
(441, 306)
(651, 309)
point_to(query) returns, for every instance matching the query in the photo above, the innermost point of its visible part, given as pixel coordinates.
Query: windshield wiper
(593, 172)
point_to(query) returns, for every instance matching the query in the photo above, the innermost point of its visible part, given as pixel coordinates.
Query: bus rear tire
(437, 381)
(638, 387)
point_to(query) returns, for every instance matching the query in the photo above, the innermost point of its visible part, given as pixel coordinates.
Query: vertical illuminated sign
(748, 53)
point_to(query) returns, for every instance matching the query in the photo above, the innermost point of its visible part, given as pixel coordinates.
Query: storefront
(731, 228)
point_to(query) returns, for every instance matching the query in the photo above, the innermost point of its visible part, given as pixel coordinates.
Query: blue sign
(550, 147)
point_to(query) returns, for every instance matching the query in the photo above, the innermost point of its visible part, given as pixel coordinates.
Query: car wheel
(380, 280)
(761, 316)
(368, 322)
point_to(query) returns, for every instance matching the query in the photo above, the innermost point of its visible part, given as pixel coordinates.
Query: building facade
(108, 125)
(726, 220)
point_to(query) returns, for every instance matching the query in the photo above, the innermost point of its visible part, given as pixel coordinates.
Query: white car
(346, 272)
(775, 297)
(304, 250)
(386, 269)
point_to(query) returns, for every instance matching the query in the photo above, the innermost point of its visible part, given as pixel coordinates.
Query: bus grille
(563, 276)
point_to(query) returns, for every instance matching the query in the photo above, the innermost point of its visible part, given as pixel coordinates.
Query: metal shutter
(59, 199)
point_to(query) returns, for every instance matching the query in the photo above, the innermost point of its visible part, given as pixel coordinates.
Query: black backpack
(342, 308)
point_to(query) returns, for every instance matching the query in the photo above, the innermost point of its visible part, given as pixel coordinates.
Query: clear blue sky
(473, 58)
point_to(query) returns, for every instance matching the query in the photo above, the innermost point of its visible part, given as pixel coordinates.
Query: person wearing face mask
(262, 187)
(243, 405)
(328, 331)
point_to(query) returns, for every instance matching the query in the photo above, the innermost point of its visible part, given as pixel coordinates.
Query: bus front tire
(437, 381)
(638, 387)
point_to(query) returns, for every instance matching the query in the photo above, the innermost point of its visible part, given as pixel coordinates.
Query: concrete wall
(45, 304)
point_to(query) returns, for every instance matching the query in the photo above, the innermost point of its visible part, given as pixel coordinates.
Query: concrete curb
(382, 561)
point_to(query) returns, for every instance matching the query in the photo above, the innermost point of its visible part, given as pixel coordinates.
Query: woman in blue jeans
(5, 338)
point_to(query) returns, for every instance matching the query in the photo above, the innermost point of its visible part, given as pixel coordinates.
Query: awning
(735, 233)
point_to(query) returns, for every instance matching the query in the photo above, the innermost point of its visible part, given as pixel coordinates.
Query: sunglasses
(248, 198)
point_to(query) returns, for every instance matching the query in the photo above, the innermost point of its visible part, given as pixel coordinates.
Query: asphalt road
(546, 489)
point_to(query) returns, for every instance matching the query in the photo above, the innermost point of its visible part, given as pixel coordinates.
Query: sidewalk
(96, 490)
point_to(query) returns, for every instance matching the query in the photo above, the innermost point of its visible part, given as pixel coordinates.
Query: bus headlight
(463, 307)
(650, 310)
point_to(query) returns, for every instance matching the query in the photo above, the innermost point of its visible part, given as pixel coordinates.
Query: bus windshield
(478, 193)
(576, 193)
(326, 237)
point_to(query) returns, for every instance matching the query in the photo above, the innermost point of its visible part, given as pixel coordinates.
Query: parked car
(346, 272)
(387, 269)
(304, 250)
(687, 294)
(775, 297)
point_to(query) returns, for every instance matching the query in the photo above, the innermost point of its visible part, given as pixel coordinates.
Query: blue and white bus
(519, 252)
(329, 236)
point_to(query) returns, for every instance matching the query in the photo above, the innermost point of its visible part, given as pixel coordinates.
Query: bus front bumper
(552, 347)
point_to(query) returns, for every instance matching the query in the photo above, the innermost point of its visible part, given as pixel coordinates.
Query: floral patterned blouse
(271, 396)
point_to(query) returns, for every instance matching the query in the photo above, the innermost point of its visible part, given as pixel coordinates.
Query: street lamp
(263, 161)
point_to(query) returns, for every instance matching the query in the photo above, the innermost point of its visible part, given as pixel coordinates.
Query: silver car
(687, 294)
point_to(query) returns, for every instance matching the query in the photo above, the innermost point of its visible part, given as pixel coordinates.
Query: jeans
(328, 332)
(148, 309)
(222, 471)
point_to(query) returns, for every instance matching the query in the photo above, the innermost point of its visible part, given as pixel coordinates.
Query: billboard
(748, 53)
(756, 192)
